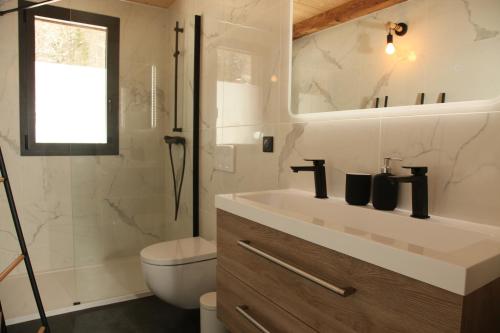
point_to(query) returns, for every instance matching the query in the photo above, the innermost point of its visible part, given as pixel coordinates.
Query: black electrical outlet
(268, 144)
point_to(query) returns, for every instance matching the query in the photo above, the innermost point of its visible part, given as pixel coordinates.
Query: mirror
(443, 51)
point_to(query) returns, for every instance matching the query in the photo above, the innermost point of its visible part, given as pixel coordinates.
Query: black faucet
(319, 176)
(419, 190)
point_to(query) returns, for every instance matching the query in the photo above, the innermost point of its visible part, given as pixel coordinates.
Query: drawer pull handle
(243, 311)
(344, 292)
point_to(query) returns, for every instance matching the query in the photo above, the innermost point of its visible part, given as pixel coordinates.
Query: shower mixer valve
(175, 140)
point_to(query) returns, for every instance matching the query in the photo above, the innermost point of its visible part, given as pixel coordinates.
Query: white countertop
(454, 255)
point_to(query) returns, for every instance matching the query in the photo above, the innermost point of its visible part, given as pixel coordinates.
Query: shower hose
(176, 140)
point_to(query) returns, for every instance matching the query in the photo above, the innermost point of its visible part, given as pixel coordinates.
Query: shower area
(86, 218)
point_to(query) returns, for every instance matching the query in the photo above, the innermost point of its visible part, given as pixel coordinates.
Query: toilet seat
(179, 252)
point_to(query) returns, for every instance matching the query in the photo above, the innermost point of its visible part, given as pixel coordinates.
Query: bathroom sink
(334, 213)
(458, 256)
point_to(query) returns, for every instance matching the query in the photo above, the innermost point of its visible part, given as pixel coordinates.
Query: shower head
(175, 140)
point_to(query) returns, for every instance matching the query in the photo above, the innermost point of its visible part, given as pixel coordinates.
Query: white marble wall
(240, 96)
(451, 46)
(230, 26)
(84, 211)
(44, 204)
(460, 150)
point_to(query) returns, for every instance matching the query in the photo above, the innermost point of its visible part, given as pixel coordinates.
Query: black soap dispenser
(385, 192)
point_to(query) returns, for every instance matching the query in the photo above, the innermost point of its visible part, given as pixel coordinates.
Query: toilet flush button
(268, 144)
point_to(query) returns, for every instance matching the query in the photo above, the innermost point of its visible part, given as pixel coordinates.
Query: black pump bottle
(385, 192)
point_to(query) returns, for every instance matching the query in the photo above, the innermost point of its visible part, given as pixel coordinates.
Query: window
(69, 72)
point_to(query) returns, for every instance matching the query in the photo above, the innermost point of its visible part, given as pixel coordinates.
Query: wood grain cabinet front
(244, 310)
(331, 292)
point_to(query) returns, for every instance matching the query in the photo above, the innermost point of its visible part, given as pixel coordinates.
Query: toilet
(180, 271)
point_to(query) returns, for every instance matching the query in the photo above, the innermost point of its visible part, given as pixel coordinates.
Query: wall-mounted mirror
(347, 56)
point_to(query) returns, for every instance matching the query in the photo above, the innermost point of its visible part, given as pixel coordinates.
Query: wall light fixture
(400, 29)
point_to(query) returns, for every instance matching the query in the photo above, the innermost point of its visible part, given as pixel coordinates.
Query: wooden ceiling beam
(341, 14)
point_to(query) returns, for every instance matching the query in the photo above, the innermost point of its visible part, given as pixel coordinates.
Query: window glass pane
(70, 88)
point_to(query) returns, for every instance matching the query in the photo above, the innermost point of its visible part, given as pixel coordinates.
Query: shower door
(124, 203)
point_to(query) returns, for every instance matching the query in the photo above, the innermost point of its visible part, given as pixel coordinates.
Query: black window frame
(29, 147)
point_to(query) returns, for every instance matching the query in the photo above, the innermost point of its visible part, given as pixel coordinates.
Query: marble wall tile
(208, 227)
(248, 63)
(347, 146)
(123, 196)
(242, 98)
(462, 158)
(208, 139)
(458, 149)
(135, 21)
(79, 211)
(213, 37)
(9, 132)
(254, 170)
(43, 197)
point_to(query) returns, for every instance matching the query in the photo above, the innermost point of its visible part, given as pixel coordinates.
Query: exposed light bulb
(390, 49)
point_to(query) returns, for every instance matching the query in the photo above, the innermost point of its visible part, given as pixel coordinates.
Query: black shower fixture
(173, 141)
(178, 30)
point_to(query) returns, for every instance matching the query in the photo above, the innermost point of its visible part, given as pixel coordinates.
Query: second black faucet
(419, 190)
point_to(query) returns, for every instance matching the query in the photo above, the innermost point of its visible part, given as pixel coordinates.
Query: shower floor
(145, 315)
(110, 280)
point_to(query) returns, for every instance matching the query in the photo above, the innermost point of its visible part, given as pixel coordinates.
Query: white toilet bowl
(180, 271)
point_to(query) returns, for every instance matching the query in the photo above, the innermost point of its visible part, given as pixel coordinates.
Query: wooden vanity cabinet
(242, 305)
(291, 285)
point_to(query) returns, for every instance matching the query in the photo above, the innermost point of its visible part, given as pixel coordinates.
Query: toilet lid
(178, 252)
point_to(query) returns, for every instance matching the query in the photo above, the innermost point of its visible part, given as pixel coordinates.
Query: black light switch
(268, 144)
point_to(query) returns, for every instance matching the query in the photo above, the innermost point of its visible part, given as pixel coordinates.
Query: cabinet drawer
(243, 310)
(383, 301)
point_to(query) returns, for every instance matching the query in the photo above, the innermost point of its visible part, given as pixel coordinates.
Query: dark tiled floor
(145, 315)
